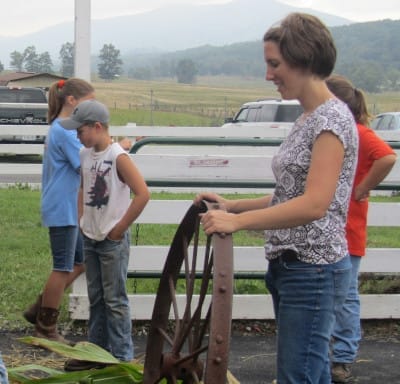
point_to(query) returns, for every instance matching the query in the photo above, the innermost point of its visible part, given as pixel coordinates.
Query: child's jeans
(110, 322)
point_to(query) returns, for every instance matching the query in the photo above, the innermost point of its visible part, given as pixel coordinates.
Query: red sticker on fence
(208, 163)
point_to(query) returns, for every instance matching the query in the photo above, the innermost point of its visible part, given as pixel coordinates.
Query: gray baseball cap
(86, 111)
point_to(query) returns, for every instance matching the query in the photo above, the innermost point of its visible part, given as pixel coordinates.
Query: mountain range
(167, 29)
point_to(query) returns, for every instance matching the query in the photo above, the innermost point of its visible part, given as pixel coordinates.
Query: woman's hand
(218, 221)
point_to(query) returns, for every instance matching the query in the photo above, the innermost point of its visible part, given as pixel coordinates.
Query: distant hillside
(167, 29)
(368, 53)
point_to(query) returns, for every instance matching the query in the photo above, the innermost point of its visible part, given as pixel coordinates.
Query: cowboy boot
(30, 314)
(46, 325)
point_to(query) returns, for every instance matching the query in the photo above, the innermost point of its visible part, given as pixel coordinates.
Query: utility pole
(82, 39)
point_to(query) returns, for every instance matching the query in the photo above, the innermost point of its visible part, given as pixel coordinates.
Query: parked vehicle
(388, 121)
(22, 106)
(268, 110)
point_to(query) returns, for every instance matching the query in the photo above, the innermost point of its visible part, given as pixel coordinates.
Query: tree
(186, 71)
(110, 65)
(45, 63)
(67, 57)
(31, 61)
(17, 60)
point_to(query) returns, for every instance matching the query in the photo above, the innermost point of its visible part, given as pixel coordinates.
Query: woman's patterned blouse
(321, 241)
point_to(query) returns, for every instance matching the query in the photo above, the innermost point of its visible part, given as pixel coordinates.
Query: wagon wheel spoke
(196, 346)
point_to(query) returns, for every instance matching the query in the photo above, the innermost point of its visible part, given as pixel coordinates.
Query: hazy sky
(22, 17)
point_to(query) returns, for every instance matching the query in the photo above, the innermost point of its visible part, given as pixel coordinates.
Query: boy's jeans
(106, 272)
(305, 297)
(347, 330)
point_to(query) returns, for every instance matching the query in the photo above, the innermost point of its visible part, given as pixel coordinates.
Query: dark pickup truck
(22, 106)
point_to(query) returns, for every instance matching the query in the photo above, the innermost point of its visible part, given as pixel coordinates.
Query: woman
(304, 220)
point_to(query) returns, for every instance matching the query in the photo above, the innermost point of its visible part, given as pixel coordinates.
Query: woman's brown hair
(59, 90)
(304, 42)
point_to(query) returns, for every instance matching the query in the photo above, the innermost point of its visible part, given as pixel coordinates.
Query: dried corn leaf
(115, 374)
(80, 351)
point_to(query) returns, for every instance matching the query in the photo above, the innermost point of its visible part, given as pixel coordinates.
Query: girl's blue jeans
(306, 297)
(110, 322)
(347, 329)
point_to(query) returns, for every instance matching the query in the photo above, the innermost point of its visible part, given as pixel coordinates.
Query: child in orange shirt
(375, 160)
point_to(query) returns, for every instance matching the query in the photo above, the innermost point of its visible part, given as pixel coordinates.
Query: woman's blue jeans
(305, 298)
(347, 329)
(110, 322)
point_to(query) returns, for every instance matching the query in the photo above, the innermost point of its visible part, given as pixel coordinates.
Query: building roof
(13, 76)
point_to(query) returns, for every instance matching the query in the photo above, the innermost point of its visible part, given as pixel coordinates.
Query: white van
(268, 110)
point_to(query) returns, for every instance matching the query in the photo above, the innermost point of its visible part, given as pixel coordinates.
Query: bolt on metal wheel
(190, 342)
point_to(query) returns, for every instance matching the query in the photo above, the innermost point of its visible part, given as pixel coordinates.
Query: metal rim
(175, 348)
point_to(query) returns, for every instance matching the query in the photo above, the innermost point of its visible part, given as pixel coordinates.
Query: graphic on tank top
(99, 191)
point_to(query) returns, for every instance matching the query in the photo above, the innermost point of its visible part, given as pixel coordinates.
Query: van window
(288, 113)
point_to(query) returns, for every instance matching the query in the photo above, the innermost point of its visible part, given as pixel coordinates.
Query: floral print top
(321, 241)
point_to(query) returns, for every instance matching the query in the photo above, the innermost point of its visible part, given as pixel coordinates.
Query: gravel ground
(247, 348)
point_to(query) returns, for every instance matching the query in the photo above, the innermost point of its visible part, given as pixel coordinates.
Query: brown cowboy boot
(30, 314)
(46, 325)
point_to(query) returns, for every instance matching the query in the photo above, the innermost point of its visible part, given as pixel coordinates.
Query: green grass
(146, 118)
(26, 259)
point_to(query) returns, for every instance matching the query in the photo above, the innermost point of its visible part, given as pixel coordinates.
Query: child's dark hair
(59, 90)
(344, 90)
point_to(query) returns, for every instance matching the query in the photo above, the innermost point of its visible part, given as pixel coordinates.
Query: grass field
(205, 103)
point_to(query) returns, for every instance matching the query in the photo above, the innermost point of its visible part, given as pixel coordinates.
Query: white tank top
(105, 197)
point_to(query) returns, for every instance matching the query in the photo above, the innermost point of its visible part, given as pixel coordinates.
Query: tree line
(109, 63)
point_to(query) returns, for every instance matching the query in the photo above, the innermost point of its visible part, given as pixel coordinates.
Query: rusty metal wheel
(178, 341)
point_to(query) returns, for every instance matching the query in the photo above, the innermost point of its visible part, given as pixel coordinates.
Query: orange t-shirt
(371, 148)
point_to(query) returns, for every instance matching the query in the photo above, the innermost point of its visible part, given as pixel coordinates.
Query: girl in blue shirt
(59, 210)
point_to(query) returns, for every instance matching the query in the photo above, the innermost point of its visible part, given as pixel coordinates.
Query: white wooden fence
(247, 260)
(211, 168)
(166, 170)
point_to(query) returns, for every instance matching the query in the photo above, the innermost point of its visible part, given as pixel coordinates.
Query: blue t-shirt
(60, 177)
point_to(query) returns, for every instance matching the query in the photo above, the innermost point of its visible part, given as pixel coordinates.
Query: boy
(106, 212)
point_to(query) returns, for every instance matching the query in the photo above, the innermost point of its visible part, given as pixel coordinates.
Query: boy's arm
(130, 175)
